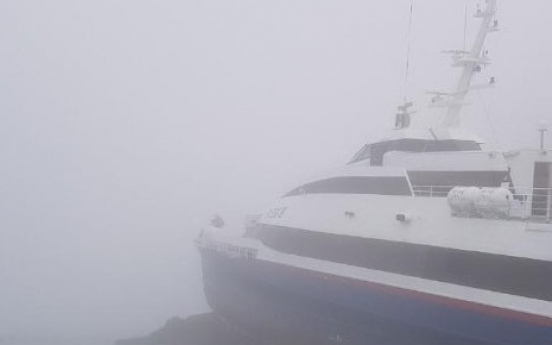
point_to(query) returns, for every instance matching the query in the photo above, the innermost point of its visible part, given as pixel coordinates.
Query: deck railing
(534, 203)
(432, 191)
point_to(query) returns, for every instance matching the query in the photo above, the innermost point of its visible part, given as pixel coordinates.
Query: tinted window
(382, 185)
(378, 150)
(512, 275)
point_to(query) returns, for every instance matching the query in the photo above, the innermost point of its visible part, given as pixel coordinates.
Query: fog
(125, 124)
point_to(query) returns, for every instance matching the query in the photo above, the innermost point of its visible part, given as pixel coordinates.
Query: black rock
(203, 329)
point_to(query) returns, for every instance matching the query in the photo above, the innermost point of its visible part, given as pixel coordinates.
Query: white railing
(525, 203)
(432, 191)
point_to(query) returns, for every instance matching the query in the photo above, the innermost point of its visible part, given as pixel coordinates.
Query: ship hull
(294, 305)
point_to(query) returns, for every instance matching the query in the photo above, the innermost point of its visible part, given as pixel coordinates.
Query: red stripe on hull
(431, 298)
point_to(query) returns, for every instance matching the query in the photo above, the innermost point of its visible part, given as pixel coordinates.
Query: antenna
(465, 27)
(543, 127)
(402, 118)
(407, 70)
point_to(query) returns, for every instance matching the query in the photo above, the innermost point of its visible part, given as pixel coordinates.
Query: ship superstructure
(423, 237)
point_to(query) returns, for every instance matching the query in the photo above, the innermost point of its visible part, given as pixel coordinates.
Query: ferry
(424, 237)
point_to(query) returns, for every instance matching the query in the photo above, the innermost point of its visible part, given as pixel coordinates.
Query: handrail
(442, 190)
(527, 202)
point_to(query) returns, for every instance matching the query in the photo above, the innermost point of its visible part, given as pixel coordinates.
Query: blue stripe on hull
(315, 308)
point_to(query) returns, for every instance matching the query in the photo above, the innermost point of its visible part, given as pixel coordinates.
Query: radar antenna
(471, 62)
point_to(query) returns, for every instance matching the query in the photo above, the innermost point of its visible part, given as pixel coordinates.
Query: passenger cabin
(421, 164)
(436, 162)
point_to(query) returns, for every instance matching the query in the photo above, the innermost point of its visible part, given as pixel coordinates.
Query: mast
(471, 62)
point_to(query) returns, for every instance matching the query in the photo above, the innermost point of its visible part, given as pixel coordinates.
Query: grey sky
(125, 124)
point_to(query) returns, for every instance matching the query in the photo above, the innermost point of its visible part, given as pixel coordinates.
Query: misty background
(125, 124)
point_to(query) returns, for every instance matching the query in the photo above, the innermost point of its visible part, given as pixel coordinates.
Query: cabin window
(506, 274)
(377, 151)
(381, 185)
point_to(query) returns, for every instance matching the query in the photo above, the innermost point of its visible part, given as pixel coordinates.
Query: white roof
(430, 134)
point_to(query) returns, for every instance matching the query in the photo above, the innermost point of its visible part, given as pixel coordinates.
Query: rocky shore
(203, 329)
